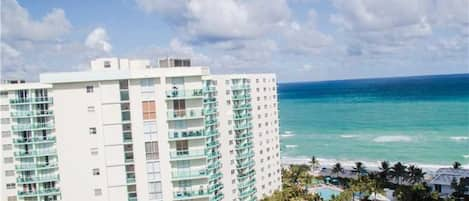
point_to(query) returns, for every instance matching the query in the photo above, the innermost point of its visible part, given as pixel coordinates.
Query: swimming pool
(326, 193)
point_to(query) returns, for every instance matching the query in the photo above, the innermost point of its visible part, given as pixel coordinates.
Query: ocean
(423, 120)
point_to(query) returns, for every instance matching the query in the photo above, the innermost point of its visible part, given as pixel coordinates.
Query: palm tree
(314, 163)
(398, 171)
(384, 171)
(415, 174)
(337, 168)
(456, 165)
(359, 169)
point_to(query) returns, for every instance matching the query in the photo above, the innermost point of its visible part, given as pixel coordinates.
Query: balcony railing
(240, 87)
(240, 97)
(185, 114)
(47, 139)
(189, 174)
(34, 179)
(186, 134)
(18, 114)
(190, 194)
(242, 126)
(43, 192)
(34, 166)
(35, 153)
(31, 100)
(34, 126)
(183, 94)
(242, 106)
(187, 154)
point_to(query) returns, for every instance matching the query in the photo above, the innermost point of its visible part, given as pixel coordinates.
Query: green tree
(418, 192)
(359, 169)
(415, 174)
(337, 169)
(456, 165)
(398, 172)
(314, 163)
(460, 188)
(385, 169)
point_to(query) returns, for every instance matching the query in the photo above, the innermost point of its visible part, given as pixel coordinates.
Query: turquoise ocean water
(422, 120)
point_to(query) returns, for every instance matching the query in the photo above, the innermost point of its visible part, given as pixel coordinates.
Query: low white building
(126, 130)
(443, 178)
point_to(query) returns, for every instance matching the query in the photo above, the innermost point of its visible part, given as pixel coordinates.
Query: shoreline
(349, 164)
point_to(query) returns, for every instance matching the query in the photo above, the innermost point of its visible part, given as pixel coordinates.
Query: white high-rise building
(126, 130)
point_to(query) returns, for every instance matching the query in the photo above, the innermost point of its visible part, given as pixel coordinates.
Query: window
(182, 145)
(11, 198)
(151, 150)
(89, 89)
(6, 134)
(149, 131)
(7, 147)
(95, 171)
(5, 121)
(153, 171)
(149, 110)
(123, 84)
(93, 131)
(90, 108)
(11, 186)
(107, 64)
(94, 151)
(4, 108)
(98, 192)
(10, 173)
(147, 85)
(3, 93)
(8, 160)
(154, 189)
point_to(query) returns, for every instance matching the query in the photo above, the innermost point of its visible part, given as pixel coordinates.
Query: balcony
(246, 164)
(189, 195)
(213, 155)
(217, 197)
(215, 187)
(34, 126)
(189, 174)
(35, 166)
(35, 113)
(214, 166)
(243, 177)
(244, 136)
(249, 192)
(37, 140)
(185, 114)
(187, 154)
(245, 155)
(209, 89)
(37, 100)
(210, 111)
(186, 134)
(210, 122)
(247, 183)
(242, 106)
(35, 153)
(210, 101)
(43, 192)
(246, 145)
(241, 97)
(216, 176)
(242, 116)
(240, 87)
(184, 94)
(242, 126)
(213, 144)
(37, 179)
(211, 133)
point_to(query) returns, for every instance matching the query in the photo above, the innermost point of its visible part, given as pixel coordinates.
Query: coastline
(349, 164)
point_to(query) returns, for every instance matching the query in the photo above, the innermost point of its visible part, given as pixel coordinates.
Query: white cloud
(16, 23)
(99, 40)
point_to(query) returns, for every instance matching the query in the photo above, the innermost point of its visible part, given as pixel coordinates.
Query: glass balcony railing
(213, 166)
(209, 89)
(240, 97)
(183, 94)
(242, 106)
(244, 136)
(189, 174)
(247, 183)
(242, 126)
(217, 197)
(246, 164)
(210, 122)
(242, 116)
(245, 155)
(42, 192)
(34, 126)
(37, 113)
(186, 134)
(213, 155)
(240, 87)
(185, 114)
(189, 194)
(243, 177)
(35, 153)
(31, 100)
(187, 154)
(35, 166)
(210, 111)
(47, 139)
(249, 192)
(211, 133)
(35, 179)
(213, 144)
(243, 146)
(215, 187)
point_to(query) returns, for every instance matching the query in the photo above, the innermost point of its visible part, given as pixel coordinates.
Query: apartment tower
(127, 130)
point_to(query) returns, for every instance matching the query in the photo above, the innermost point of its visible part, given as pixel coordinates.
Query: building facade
(126, 130)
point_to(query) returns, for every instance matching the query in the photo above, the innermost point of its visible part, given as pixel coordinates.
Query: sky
(299, 40)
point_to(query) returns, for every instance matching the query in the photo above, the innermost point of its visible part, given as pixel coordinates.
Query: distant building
(441, 183)
(126, 130)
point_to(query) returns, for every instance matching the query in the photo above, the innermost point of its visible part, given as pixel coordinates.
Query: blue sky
(297, 39)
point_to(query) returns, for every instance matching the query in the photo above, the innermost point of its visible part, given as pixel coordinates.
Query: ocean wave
(348, 136)
(288, 132)
(393, 138)
(287, 135)
(465, 156)
(459, 138)
(291, 146)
